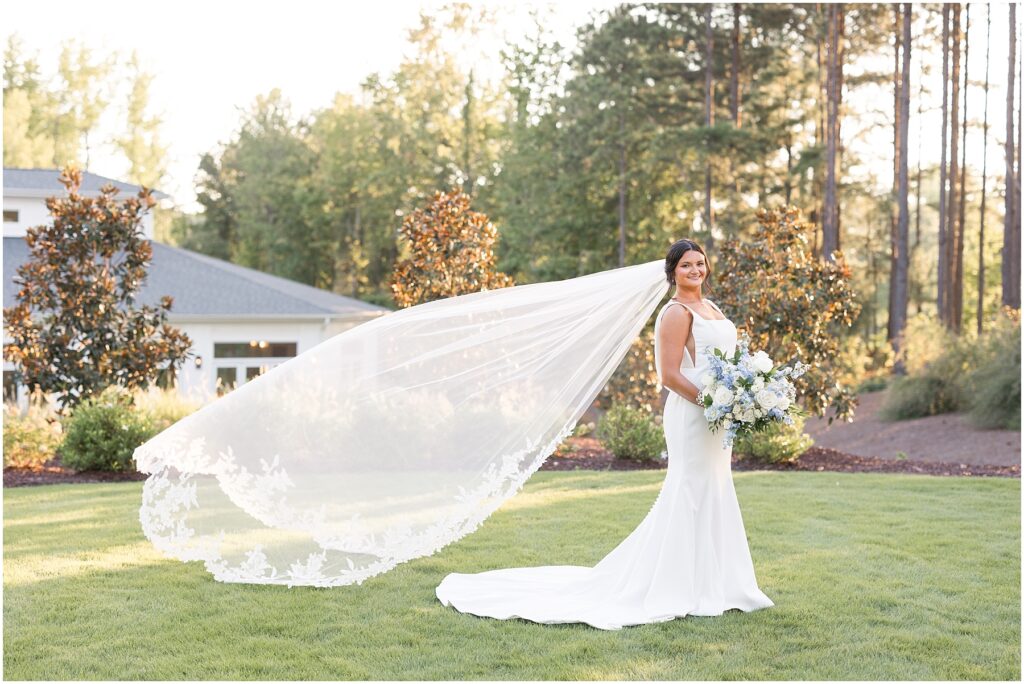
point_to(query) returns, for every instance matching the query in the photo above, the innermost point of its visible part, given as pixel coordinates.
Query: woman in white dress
(689, 556)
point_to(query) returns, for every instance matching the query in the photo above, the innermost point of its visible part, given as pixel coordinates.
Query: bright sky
(212, 58)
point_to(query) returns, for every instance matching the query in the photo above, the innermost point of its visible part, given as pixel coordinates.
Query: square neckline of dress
(697, 314)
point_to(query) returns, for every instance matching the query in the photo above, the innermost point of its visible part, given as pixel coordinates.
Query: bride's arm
(673, 334)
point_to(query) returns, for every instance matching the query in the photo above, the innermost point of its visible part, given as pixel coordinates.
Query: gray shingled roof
(205, 286)
(40, 182)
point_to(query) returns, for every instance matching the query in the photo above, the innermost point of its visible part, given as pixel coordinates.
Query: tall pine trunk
(709, 121)
(734, 113)
(916, 286)
(622, 189)
(943, 275)
(1011, 227)
(820, 135)
(890, 330)
(898, 313)
(984, 177)
(958, 247)
(953, 195)
(834, 59)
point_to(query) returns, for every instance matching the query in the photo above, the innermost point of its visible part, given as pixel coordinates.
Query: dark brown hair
(675, 253)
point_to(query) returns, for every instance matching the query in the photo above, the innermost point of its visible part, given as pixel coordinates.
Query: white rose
(767, 399)
(758, 384)
(783, 403)
(707, 379)
(723, 397)
(727, 423)
(762, 362)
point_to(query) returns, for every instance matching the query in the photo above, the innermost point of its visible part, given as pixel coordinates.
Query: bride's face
(691, 269)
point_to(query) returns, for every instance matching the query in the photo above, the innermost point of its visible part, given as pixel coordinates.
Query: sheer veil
(392, 439)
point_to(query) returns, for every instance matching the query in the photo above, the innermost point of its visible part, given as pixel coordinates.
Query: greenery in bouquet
(746, 393)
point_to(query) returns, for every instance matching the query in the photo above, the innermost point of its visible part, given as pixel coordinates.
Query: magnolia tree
(75, 328)
(451, 252)
(791, 304)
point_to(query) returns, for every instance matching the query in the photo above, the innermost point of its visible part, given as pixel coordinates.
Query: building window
(10, 386)
(255, 372)
(10, 216)
(258, 349)
(227, 378)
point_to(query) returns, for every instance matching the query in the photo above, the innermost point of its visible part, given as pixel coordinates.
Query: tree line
(665, 120)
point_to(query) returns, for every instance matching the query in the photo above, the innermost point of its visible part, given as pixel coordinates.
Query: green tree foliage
(28, 139)
(75, 329)
(53, 120)
(83, 92)
(450, 252)
(257, 198)
(140, 143)
(321, 200)
(792, 304)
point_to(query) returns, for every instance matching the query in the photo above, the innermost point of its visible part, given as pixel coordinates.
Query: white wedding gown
(689, 556)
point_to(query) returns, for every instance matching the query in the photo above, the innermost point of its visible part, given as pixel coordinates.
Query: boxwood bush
(779, 443)
(631, 433)
(103, 431)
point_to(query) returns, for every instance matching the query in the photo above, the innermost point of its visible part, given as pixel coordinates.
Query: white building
(241, 321)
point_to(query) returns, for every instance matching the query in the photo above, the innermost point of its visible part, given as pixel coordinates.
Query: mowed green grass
(874, 577)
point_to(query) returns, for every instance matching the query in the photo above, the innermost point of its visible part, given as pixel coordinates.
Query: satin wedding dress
(689, 556)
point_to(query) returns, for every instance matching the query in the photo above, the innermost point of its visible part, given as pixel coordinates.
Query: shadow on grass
(879, 577)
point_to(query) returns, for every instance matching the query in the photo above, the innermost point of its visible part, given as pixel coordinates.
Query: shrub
(924, 340)
(779, 443)
(994, 398)
(631, 433)
(31, 436)
(916, 396)
(937, 380)
(163, 407)
(950, 373)
(103, 431)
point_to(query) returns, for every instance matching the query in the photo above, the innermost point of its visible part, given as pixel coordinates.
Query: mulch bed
(587, 453)
(53, 473)
(590, 454)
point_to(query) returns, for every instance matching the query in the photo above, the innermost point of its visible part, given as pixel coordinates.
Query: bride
(689, 556)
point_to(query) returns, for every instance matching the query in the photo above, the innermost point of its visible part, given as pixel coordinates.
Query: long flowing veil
(392, 439)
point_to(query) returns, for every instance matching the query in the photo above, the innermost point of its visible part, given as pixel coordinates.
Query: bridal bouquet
(745, 393)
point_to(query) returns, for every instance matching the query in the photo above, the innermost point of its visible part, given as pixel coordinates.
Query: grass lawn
(874, 577)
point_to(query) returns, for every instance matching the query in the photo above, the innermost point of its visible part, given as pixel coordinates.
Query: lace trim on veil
(165, 502)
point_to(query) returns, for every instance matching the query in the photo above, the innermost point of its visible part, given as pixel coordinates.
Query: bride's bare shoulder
(675, 317)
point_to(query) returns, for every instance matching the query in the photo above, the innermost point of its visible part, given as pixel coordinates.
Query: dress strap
(714, 305)
(673, 301)
(687, 307)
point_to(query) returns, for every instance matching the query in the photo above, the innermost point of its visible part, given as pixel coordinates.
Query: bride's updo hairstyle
(675, 253)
